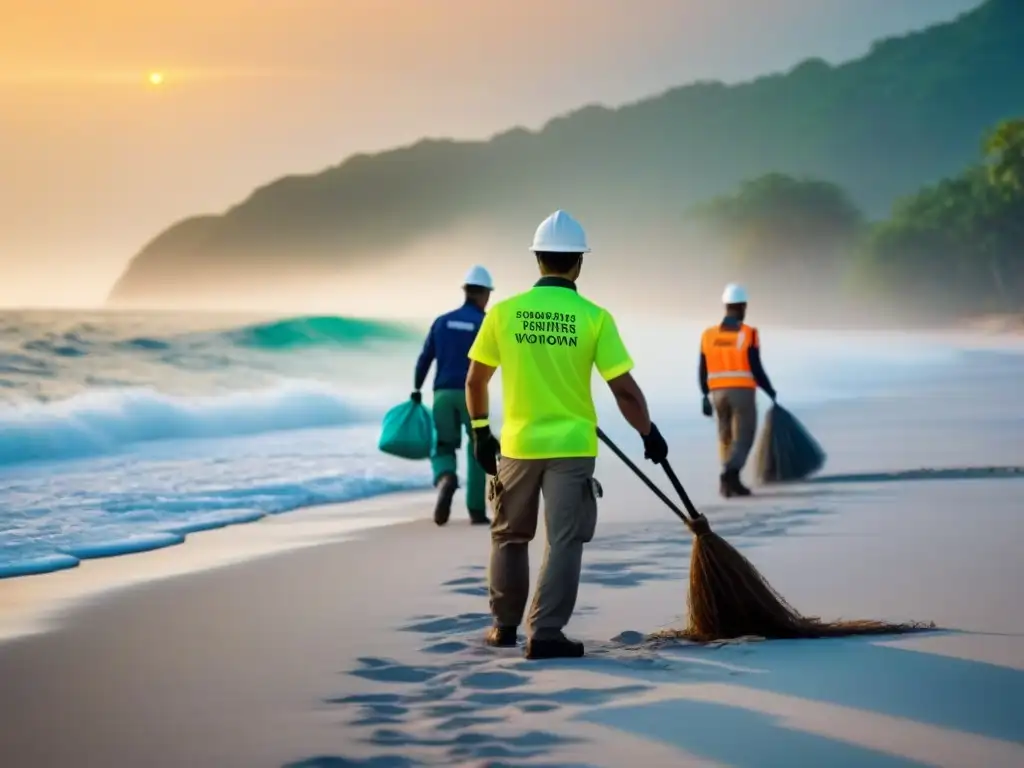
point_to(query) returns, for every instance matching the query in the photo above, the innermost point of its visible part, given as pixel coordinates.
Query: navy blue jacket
(448, 343)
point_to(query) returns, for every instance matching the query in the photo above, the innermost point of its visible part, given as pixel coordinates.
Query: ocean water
(121, 433)
(126, 432)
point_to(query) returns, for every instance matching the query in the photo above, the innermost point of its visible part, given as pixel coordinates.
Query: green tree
(781, 225)
(1004, 153)
(957, 247)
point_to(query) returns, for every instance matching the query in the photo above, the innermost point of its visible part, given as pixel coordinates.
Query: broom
(728, 598)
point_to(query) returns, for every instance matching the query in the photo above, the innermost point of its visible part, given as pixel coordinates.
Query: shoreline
(39, 603)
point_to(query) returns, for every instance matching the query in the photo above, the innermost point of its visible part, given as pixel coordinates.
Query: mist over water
(121, 432)
(651, 271)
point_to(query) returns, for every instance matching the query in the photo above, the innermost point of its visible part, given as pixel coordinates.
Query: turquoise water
(121, 433)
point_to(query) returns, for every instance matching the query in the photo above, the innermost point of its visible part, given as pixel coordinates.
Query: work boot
(501, 637)
(560, 647)
(446, 485)
(723, 486)
(478, 518)
(736, 487)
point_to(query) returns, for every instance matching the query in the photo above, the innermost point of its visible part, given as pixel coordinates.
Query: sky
(95, 161)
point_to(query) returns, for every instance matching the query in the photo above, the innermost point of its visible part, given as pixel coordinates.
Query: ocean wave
(324, 330)
(33, 350)
(101, 422)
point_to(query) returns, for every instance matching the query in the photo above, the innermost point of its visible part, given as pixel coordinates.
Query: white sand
(366, 649)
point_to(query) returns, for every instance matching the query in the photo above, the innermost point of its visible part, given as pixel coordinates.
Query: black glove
(485, 449)
(655, 447)
(416, 396)
(706, 408)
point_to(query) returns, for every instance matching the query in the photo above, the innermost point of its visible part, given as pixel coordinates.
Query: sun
(156, 78)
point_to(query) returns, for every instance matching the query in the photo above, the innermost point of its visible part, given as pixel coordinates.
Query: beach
(351, 634)
(254, 247)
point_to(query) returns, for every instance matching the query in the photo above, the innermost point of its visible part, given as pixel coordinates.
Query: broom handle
(650, 483)
(694, 514)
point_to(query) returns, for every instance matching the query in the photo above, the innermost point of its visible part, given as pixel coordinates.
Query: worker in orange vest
(730, 373)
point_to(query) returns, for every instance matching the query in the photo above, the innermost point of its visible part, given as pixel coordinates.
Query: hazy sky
(94, 161)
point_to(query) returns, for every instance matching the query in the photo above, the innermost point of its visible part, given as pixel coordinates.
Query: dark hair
(558, 263)
(475, 291)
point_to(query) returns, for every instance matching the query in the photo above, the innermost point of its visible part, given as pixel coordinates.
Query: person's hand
(705, 407)
(655, 447)
(485, 449)
(416, 396)
(774, 396)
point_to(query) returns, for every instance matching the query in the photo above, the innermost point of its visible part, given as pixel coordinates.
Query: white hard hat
(734, 294)
(479, 276)
(560, 233)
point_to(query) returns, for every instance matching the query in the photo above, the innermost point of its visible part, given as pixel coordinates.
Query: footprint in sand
(494, 681)
(623, 575)
(474, 586)
(478, 745)
(461, 722)
(389, 672)
(379, 713)
(462, 623)
(456, 702)
(447, 647)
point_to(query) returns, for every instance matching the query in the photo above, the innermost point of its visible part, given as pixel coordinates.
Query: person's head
(477, 294)
(478, 285)
(738, 311)
(559, 244)
(556, 264)
(735, 299)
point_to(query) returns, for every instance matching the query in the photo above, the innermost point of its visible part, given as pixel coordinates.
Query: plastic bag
(786, 451)
(407, 431)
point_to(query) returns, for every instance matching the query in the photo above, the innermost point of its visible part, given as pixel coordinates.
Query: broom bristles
(729, 598)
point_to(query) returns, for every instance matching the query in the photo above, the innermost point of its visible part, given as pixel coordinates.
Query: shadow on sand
(737, 737)
(860, 673)
(949, 473)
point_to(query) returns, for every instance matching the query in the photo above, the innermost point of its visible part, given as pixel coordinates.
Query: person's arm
(615, 365)
(477, 398)
(484, 359)
(632, 403)
(757, 369)
(427, 355)
(702, 374)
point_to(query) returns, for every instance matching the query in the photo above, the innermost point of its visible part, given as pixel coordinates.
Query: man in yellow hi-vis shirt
(547, 341)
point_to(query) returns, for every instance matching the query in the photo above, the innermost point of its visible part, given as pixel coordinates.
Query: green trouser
(451, 419)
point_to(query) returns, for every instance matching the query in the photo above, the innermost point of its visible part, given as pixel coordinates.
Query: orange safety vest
(726, 352)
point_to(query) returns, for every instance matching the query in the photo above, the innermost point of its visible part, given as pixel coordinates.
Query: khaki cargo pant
(736, 408)
(570, 517)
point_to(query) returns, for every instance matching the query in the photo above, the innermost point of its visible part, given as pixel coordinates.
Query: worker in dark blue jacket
(448, 344)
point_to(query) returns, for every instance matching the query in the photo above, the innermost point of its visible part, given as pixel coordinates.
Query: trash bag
(786, 451)
(407, 431)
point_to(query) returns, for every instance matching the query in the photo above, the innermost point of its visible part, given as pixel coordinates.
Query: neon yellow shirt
(547, 341)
